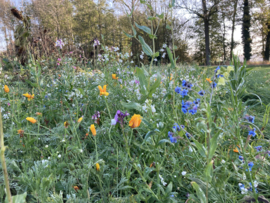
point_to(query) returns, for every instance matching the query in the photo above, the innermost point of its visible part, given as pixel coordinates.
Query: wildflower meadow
(118, 132)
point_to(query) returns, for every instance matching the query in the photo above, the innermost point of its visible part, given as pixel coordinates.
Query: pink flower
(8, 104)
(71, 52)
(74, 67)
(58, 64)
(80, 56)
(59, 59)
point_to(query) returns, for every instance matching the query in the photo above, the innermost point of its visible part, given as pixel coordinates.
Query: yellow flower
(97, 166)
(114, 77)
(135, 121)
(29, 96)
(221, 81)
(103, 91)
(230, 68)
(66, 124)
(80, 119)
(31, 119)
(93, 130)
(209, 80)
(6, 89)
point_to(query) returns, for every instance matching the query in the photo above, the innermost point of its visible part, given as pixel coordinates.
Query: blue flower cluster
(250, 165)
(176, 128)
(190, 107)
(250, 118)
(185, 87)
(258, 148)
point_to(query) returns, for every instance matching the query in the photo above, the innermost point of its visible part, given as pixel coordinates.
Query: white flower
(190, 149)
(144, 107)
(164, 46)
(49, 157)
(113, 122)
(163, 55)
(120, 60)
(131, 54)
(63, 140)
(46, 146)
(141, 56)
(184, 173)
(162, 50)
(222, 161)
(155, 59)
(131, 61)
(81, 150)
(153, 108)
(116, 48)
(59, 156)
(255, 183)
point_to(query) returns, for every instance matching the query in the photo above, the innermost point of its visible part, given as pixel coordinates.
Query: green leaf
(134, 31)
(154, 86)
(143, 80)
(169, 188)
(164, 141)
(168, 27)
(142, 1)
(161, 16)
(144, 28)
(18, 198)
(132, 105)
(213, 145)
(156, 54)
(170, 57)
(199, 192)
(147, 50)
(208, 172)
(128, 35)
(151, 18)
(200, 148)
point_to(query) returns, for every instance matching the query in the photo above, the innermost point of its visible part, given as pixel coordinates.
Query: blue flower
(182, 126)
(241, 158)
(189, 85)
(268, 152)
(250, 118)
(219, 75)
(178, 90)
(217, 69)
(201, 93)
(176, 127)
(241, 186)
(213, 85)
(250, 188)
(173, 139)
(193, 110)
(197, 101)
(188, 135)
(184, 93)
(258, 148)
(184, 110)
(252, 132)
(184, 83)
(170, 134)
(250, 165)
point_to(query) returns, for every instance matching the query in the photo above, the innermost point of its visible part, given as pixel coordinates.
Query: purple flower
(96, 116)
(119, 117)
(137, 81)
(188, 135)
(59, 43)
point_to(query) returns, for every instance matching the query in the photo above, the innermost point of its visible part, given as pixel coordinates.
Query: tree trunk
(223, 40)
(266, 52)
(206, 33)
(233, 27)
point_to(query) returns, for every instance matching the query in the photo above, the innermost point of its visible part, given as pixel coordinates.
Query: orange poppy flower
(102, 91)
(135, 121)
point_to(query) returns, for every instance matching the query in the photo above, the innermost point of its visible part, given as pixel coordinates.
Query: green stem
(3, 161)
